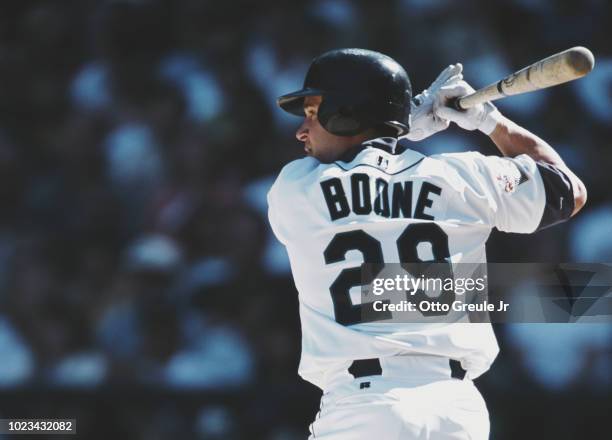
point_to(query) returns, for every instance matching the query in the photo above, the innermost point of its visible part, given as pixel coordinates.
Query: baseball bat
(556, 69)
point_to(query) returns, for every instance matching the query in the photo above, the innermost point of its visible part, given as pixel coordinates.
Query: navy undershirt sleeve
(559, 195)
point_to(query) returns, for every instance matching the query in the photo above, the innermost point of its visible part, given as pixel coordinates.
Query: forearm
(512, 140)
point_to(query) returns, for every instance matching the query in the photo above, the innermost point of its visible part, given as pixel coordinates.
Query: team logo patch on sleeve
(510, 177)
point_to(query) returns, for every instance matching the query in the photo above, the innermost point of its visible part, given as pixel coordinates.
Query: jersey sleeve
(284, 199)
(275, 212)
(521, 195)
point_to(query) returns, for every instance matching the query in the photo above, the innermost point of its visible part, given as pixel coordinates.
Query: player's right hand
(424, 122)
(483, 117)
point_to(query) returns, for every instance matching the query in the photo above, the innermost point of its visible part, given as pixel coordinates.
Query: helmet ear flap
(339, 116)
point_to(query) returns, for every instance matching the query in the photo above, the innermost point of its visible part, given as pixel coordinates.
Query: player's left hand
(483, 117)
(424, 121)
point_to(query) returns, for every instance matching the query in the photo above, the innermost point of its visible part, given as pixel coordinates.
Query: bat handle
(456, 104)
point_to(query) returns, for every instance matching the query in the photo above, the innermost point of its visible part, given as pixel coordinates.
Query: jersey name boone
(389, 201)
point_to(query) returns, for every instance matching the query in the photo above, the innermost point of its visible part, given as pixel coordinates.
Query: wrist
(491, 119)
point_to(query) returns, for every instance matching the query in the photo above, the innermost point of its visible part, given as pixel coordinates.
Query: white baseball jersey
(383, 202)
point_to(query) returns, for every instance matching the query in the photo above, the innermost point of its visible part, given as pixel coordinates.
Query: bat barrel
(556, 69)
(581, 60)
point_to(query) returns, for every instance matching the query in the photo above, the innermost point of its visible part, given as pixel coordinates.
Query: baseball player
(360, 195)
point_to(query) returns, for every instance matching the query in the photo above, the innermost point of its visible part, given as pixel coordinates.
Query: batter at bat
(382, 380)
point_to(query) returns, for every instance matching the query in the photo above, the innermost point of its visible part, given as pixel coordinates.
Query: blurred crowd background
(141, 290)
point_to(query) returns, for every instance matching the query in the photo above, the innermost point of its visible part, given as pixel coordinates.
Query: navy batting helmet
(361, 89)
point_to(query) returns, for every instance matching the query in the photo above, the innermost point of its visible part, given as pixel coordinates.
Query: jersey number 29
(347, 313)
